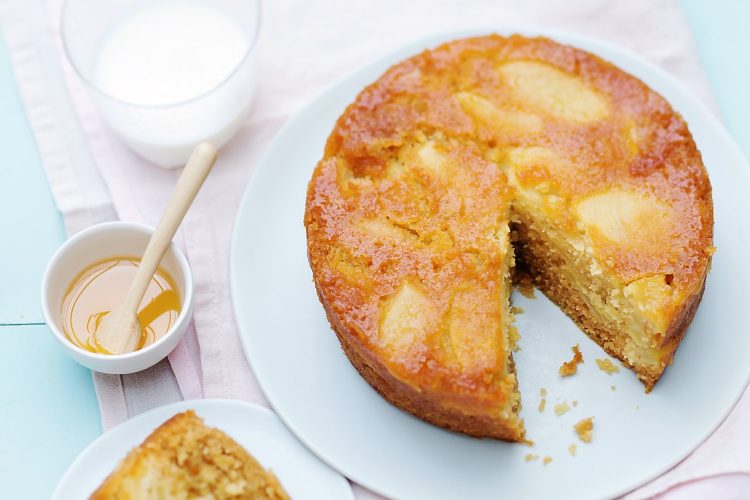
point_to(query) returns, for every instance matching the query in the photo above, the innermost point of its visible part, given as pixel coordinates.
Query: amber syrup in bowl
(102, 287)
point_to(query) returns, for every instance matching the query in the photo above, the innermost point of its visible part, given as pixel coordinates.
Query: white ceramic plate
(324, 401)
(302, 475)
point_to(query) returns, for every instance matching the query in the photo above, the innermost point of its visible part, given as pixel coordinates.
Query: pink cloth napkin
(303, 46)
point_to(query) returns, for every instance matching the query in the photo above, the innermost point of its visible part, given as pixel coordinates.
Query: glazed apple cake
(493, 157)
(184, 459)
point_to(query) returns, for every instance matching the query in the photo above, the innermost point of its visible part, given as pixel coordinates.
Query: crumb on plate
(572, 449)
(607, 366)
(526, 287)
(546, 460)
(562, 408)
(569, 368)
(585, 429)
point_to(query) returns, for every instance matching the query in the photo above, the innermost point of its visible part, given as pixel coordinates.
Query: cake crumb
(516, 310)
(528, 442)
(542, 404)
(543, 392)
(546, 460)
(572, 449)
(530, 457)
(575, 402)
(526, 287)
(607, 366)
(585, 429)
(613, 387)
(562, 408)
(570, 368)
(513, 337)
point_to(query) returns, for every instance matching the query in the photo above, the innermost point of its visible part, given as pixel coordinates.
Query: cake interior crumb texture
(184, 459)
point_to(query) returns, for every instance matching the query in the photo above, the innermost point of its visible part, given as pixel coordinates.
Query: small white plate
(324, 401)
(302, 475)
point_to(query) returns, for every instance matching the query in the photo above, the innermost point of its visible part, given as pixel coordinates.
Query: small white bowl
(113, 239)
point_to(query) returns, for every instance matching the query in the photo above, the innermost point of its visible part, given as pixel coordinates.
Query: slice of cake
(184, 459)
(464, 159)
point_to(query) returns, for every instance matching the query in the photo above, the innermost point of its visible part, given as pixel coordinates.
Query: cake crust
(405, 215)
(423, 406)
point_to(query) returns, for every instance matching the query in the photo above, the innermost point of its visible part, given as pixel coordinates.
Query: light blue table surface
(721, 31)
(48, 410)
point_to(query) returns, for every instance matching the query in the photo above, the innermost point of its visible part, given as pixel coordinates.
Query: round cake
(488, 160)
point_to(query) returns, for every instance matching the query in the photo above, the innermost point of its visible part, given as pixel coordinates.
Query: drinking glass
(165, 134)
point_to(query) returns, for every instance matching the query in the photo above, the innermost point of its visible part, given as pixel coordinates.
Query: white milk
(175, 76)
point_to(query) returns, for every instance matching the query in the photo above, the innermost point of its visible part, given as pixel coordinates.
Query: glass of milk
(165, 74)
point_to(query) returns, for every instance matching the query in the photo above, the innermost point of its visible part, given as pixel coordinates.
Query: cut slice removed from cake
(184, 459)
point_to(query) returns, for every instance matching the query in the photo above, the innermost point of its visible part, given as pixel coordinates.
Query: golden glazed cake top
(407, 207)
